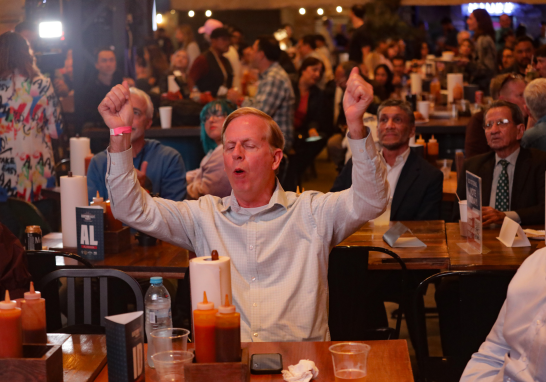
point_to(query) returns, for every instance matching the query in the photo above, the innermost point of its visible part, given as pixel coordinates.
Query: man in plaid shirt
(275, 95)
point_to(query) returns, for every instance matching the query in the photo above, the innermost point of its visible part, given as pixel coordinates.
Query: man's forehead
(246, 127)
(496, 112)
(392, 111)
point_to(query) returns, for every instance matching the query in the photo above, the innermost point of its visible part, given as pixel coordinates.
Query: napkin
(392, 237)
(304, 371)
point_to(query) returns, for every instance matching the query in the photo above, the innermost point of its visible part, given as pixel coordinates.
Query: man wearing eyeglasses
(512, 176)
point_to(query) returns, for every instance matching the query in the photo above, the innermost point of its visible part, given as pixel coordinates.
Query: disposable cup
(165, 115)
(350, 361)
(169, 365)
(169, 339)
(463, 210)
(423, 107)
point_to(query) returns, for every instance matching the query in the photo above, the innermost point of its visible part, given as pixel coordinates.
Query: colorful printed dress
(30, 116)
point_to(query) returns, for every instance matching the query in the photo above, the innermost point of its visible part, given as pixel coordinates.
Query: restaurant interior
(143, 239)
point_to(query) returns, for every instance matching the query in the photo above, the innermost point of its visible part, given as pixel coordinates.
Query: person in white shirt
(278, 241)
(514, 349)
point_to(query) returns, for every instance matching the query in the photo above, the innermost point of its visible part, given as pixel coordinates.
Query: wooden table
(499, 256)
(443, 126)
(432, 233)
(84, 356)
(163, 259)
(387, 360)
(450, 187)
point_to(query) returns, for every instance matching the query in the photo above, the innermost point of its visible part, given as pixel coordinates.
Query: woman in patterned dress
(30, 117)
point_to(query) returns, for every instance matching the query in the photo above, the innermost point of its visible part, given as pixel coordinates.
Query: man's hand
(357, 98)
(141, 174)
(116, 110)
(492, 216)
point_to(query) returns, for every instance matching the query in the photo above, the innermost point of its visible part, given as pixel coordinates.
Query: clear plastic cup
(463, 210)
(165, 116)
(350, 361)
(168, 339)
(170, 365)
(445, 166)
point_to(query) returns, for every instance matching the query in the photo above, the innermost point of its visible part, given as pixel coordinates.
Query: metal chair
(474, 300)
(23, 214)
(89, 326)
(350, 301)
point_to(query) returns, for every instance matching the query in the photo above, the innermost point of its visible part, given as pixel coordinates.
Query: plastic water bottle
(157, 305)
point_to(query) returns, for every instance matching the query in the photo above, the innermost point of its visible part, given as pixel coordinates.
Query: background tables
(443, 126)
(499, 256)
(387, 361)
(432, 233)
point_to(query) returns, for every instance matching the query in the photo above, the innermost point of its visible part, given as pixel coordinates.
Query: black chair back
(474, 299)
(87, 275)
(351, 299)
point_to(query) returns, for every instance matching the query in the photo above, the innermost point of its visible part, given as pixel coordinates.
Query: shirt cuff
(120, 163)
(363, 148)
(514, 216)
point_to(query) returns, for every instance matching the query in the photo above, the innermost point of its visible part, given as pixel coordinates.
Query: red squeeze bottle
(228, 333)
(11, 333)
(204, 319)
(34, 318)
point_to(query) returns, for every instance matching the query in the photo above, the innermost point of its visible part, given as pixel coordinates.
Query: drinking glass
(350, 361)
(170, 365)
(169, 339)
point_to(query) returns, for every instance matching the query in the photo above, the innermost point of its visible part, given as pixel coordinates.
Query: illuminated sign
(494, 9)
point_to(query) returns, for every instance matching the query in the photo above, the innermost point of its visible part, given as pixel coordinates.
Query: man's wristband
(121, 130)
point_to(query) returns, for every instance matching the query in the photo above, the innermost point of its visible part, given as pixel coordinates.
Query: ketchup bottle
(34, 318)
(432, 150)
(11, 333)
(204, 320)
(228, 333)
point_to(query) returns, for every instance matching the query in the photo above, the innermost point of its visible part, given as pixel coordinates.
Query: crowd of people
(283, 107)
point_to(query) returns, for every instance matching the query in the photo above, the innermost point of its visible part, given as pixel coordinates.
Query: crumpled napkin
(304, 371)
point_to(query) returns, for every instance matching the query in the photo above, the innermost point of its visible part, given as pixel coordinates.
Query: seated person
(400, 77)
(506, 87)
(310, 125)
(415, 185)
(535, 137)
(210, 177)
(64, 77)
(211, 71)
(260, 227)
(513, 350)
(512, 176)
(97, 88)
(160, 168)
(382, 83)
(506, 58)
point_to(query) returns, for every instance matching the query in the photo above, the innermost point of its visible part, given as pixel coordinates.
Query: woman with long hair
(210, 177)
(186, 41)
(485, 53)
(382, 83)
(30, 119)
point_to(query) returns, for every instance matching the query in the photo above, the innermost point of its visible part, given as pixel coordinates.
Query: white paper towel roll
(79, 149)
(73, 194)
(173, 86)
(416, 85)
(213, 277)
(452, 80)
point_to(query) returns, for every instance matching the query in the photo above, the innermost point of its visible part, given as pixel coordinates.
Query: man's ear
(149, 124)
(521, 130)
(277, 157)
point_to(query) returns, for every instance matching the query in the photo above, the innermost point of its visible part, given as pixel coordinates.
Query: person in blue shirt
(160, 168)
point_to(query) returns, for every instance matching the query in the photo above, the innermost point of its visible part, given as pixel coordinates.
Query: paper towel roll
(452, 80)
(79, 149)
(73, 194)
(213, 277)
(416, 84)
(173, 86)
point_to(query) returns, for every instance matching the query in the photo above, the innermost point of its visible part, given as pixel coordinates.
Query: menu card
(90, 231)
(125, 347)
(474, 239)
(394, 239)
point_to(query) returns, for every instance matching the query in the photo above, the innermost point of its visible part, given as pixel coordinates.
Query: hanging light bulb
(339, 9)
(208, 13)
(302, 11)
(320, 11)
(191, 13)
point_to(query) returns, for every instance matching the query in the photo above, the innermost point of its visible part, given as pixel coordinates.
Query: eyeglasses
(501, 123)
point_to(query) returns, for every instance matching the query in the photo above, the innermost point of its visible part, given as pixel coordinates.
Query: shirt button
(254, 279)
(255, 334)
(254, 304)
(251, 247)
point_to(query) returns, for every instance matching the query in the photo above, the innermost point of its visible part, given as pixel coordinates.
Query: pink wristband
(121, 130)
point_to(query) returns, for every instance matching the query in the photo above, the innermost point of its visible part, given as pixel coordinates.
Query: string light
(302, 11)
(208, 13)
(320, 11)
(339, 9)
(191, 13)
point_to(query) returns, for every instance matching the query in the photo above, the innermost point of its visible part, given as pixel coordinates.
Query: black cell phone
(266, 363)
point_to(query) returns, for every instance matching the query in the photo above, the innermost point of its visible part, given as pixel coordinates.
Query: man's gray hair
(404, 105)
(535, 98)
(145, 97)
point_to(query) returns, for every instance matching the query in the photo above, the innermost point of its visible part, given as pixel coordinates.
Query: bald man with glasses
(512, 176)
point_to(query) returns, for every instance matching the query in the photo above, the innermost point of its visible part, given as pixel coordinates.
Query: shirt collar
(512, 158)
(278, 198)
(271, 67)
(402, 158)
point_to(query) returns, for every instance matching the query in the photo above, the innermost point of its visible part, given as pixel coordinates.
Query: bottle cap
(226, 308)
(433, 140)
(7, 303)
(32, 295)
(205, 304)
(97, 198)
(156, 280)
(420, 140)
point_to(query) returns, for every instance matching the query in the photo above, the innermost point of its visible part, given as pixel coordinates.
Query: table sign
(90, 232)
(474, 240)
(512, 235)
(125, 347)
(392, 237)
